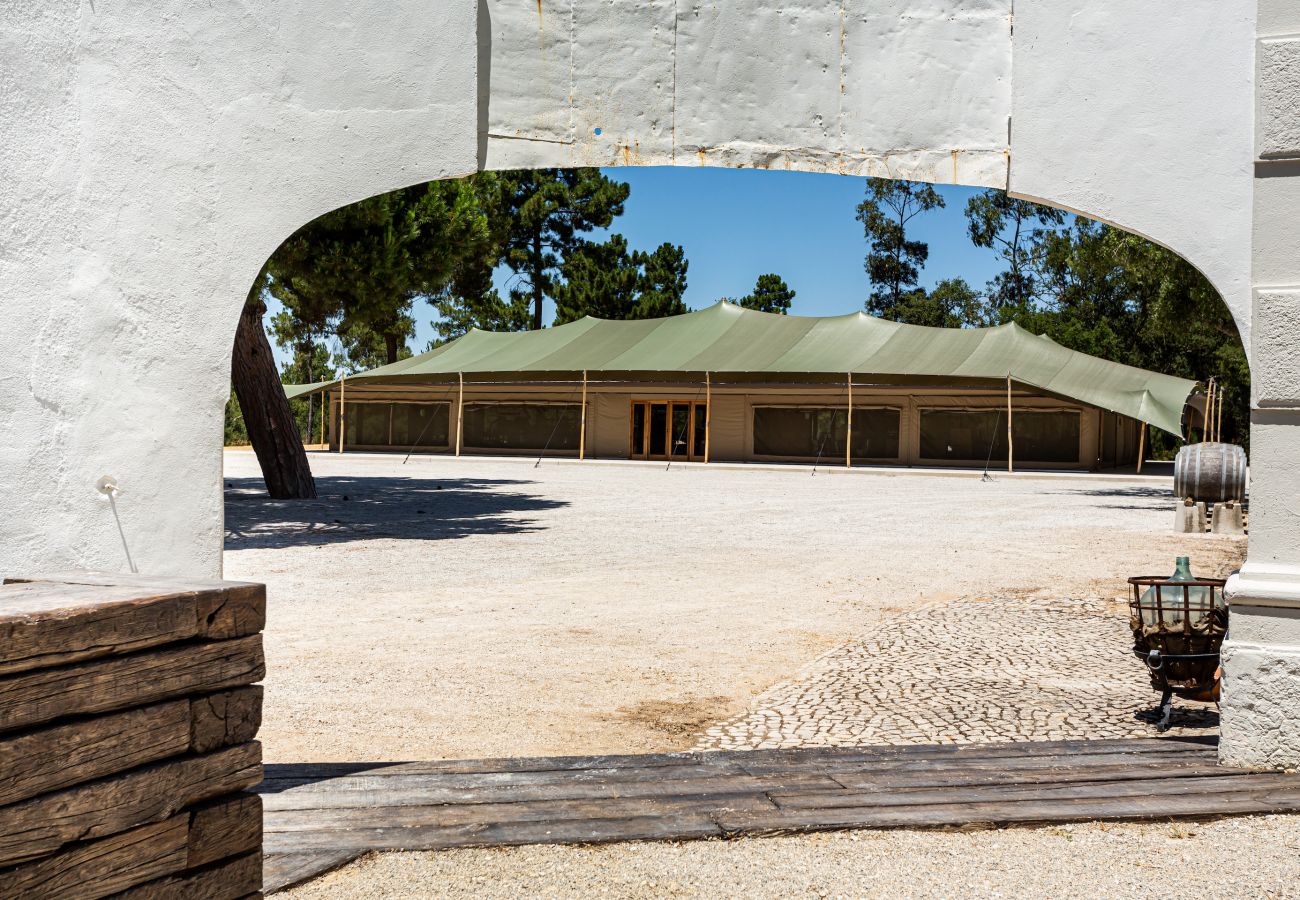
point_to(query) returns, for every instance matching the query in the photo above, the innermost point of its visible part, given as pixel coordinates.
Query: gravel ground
(479, 607)
(1244, 857)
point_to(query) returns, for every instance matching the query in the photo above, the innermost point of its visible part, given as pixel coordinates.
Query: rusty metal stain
(954, 166)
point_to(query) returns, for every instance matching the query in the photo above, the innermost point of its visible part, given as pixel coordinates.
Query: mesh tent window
(1042, 436)
(371, 424)
(522, 426)
(807, 432)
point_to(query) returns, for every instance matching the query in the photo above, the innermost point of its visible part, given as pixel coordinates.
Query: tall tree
(952, 304)
(548, 209)
(363, 266)
(771, 294)
(1017, 230)
(894, 263)
(608, 281)
(267, 417)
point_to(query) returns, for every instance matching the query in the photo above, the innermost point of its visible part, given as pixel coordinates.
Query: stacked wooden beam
(128, 708)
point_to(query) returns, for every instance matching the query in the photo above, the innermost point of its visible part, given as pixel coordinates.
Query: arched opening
(606, 574)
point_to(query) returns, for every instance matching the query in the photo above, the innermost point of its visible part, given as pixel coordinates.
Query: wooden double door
(668, 429)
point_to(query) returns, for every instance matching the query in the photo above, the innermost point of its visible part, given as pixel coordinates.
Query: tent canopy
(725, 338)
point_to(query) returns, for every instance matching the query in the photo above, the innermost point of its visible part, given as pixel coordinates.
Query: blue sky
(736, 224)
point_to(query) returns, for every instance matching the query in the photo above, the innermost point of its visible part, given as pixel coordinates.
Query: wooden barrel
(1210, 472)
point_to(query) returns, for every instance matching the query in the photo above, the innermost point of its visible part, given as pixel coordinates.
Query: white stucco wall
(157, 153)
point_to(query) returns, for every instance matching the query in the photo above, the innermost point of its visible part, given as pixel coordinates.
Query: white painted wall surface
(157, 153)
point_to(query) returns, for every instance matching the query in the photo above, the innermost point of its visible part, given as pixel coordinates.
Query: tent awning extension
(725, 338)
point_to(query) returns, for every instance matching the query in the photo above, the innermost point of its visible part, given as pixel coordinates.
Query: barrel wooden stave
(1210, 472)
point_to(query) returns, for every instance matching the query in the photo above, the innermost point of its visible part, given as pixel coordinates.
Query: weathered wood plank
(122, 682)
(98, 868)
(1010, 763)
(54, 757)
(225, 718)
(958, 776)
(229, 879)
(405, 794)
(685, 826)
(1019, 812)
(455, 787)
(490, 779)
(223, 609)
(44, 625)
(43, 824)
(224, 827)
(282, 870)
(780, 760)
(352, 818)
(1079, 790)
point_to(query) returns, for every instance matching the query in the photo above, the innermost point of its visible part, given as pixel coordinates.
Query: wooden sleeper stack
(128, 711)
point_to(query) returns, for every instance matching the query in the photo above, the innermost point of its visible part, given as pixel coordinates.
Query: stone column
(1261, 658)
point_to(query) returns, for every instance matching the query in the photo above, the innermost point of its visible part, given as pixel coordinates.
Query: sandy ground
(1244, 857)
(477, 607)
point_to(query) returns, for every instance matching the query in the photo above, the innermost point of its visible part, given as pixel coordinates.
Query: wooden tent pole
(460, 410)
(1218, 422)
(708, 412)
(848, 429)
(324, 414)
(1011, 468)
(582, 427)
(1205, 413)
(343, 409)
(1142, 444)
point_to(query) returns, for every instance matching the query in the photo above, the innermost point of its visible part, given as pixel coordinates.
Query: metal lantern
(1178, 625)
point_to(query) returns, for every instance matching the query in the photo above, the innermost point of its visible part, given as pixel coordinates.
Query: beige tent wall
(1105, 439)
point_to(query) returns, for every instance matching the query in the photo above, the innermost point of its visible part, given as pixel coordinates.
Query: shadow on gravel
(361, 508)
(1145, 499)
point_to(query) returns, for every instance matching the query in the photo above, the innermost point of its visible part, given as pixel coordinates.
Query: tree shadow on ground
(356, 508)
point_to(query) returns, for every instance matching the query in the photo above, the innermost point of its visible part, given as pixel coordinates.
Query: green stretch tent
(725, 338)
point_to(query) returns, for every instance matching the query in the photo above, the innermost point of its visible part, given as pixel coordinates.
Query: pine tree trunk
(267, 416)
(390, 348)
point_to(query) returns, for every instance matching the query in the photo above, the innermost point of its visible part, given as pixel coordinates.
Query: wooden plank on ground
(225, 718)
(282, 870)
(402, 793)
(57, 756)
(780, 760)
(43, 824)
(685, 826)
(1018, 812)
(102, 867)
(43, 625)
(352, 818)
(225, 827)
(1079, 790)
(229, 879)
(385, 780)
(1005, 764)
(122, 682)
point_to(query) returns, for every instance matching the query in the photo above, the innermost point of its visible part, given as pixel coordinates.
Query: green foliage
(893, 262)
(236, 435)
(1016, 230)
(608, 281)
(952, 304)
(546, 210)
(771, 294)
(359, 269)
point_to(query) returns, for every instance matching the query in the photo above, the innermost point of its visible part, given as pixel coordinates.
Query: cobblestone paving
(1006, 669)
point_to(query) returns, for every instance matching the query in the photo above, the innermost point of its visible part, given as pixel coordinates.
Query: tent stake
(1142, 444)
(1218, 422)
(582, 427)
(848, 429)
(1010, 465)
(708, 413)
(460, 410)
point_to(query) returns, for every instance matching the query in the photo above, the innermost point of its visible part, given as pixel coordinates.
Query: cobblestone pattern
(1006, 669)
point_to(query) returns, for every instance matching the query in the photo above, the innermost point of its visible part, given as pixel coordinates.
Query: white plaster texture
(1259, 725)
(155, 155)
(1277, 119)
(915, 89)
(1277, 360)
(1143, 117)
